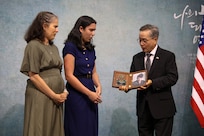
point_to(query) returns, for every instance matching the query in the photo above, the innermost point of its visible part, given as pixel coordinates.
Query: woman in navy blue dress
(81, 107)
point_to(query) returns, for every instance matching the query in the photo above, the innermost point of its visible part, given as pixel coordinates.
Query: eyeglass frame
(144, 40)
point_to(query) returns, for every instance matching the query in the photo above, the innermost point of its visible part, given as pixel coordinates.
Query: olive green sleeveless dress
(42, 117)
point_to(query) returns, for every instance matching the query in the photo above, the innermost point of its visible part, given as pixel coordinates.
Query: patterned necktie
(148, 62)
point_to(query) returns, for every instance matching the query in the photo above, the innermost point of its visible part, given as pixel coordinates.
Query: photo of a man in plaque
(138, 79)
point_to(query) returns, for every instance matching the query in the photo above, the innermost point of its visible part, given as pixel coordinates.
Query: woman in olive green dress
(45, 94)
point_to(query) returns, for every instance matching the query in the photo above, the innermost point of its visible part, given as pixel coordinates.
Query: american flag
(197, 97)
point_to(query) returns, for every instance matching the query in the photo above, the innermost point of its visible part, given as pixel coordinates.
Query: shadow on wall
(121, 124)
(12, 123)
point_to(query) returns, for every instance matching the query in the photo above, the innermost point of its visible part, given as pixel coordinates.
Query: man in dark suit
(155, 104)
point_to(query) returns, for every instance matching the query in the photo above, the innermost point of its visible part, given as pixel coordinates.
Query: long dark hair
(35, 30)
(75, 35)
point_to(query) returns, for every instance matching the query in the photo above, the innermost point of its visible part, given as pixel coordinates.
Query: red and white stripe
(197, 97)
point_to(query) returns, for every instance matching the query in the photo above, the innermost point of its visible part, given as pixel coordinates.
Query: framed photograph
(130, 79)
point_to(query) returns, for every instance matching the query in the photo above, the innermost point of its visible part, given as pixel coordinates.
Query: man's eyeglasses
(143, 40)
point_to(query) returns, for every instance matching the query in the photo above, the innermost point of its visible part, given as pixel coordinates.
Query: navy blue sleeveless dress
(81, 114)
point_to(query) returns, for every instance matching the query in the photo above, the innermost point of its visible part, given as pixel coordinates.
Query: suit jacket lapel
(142, 60)
(155, 60)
